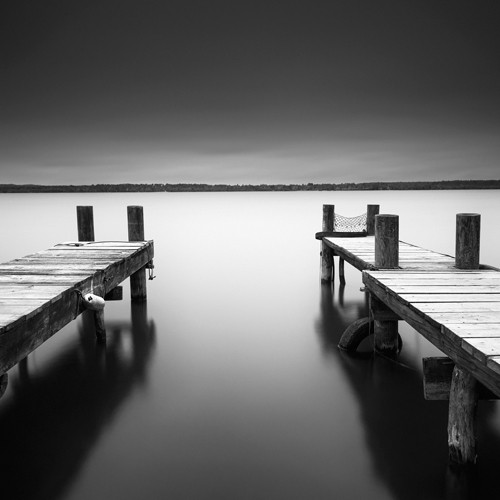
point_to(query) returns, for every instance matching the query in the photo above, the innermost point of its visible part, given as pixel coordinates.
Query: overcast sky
(249, 91)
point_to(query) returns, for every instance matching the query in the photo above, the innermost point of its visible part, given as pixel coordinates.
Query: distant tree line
(194, 187)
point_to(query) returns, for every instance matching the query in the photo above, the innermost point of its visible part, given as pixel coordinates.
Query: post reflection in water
(405, 435)
(55, 417)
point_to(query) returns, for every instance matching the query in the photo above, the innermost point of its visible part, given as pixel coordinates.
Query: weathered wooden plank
(471, 329)
(470, 289)
(458, 307)
(493, 363)
(431, 273)
(460, 298)
(469, 317)
(42, 278)
(451, 281)
(83, 245)
(482, 348)
(33, 291)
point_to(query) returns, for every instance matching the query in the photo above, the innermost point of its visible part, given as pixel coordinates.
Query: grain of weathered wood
(468, 230)
(371, 212)
(327, 262)
(135, 216)
(462, 417)
(85, 223)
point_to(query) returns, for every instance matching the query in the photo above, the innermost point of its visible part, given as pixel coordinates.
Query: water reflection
(53, 419)
(405, 435)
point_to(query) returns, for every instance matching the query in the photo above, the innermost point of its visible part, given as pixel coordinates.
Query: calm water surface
(229, 384)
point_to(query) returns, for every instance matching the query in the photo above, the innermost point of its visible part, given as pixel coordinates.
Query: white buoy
(93, 302)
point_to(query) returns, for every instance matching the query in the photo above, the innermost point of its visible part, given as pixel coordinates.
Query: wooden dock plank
(450, 297)
(482, 348)
(458, 307)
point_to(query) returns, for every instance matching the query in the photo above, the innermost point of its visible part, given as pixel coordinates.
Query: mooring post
(386, 257)
(85, 222)
(138, 290)
(386, 241)
(371, 212)
(462, 418)
(327, 264)
(467, 241)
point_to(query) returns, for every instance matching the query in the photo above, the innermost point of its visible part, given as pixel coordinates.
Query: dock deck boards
(37, 292)
(360, 253)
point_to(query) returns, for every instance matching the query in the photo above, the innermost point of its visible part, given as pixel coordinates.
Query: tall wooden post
(138, 291)
(467, 241)
(371, 212)
(462, 418)
(386, 257)
(386, 241)
(85, 221)
(327, 264)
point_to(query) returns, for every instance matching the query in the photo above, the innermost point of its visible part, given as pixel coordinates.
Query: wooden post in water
(386, 257)
(100, 327)
(138, 291)
(327, 263)
(462, 418)
(371, 212)
(464, 388)
(467, 241)
(85, 221)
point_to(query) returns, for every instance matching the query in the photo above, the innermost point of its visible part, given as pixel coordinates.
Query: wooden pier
(42, 292)
(454, 302)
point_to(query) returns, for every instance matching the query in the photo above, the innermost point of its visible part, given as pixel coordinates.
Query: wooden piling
(341, 271)
(327, 263)
(85, 222)
(371, 212)
(467, 241)
(386, 257)
(100, 328)
(135, 215)
(386, 241)
(462, 418)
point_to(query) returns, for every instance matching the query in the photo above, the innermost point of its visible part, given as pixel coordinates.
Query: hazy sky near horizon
(249, 91)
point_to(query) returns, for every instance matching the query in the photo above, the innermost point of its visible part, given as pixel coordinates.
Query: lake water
(228, 384)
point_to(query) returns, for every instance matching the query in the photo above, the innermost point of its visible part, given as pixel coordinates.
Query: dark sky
(249, 91)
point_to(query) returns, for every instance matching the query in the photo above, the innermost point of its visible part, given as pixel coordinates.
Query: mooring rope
(349, 224)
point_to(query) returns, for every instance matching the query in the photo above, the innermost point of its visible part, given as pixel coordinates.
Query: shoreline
(194, 187)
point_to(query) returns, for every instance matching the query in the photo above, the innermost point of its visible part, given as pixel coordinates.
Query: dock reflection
(53, 419)
(406, 435)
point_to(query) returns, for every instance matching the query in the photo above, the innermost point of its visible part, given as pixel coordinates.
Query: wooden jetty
(42, 292)
(454, 302)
